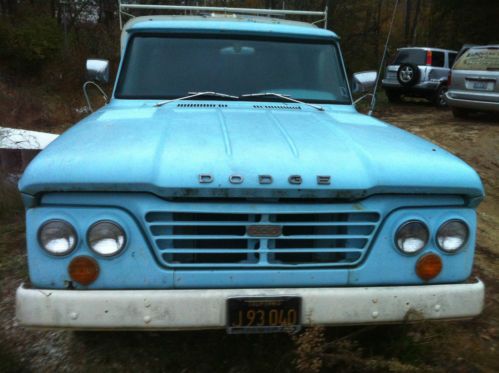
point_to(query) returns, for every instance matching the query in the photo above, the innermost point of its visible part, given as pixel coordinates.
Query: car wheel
(393, 96)
(439, 98)
(460, 113)
(408, 74)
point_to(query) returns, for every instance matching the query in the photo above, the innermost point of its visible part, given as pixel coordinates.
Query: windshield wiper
(284, 97)
(196, 94)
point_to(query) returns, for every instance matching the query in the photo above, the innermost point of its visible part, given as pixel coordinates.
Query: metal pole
(373, 100)
(120, 14)
(326, 12)
(225, 9)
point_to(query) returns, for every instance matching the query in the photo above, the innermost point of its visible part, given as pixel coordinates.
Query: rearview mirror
(237, 50)
(98, 70)
(364, 81)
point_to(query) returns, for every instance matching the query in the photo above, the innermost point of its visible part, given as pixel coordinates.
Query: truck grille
(281, 240)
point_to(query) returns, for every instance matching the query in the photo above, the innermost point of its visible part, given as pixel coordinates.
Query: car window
(414, 56)
(479, 59)
(452, 58)
(438, 59)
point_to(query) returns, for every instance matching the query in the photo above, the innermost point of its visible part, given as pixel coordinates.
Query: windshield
(168, 67)
(479, 59)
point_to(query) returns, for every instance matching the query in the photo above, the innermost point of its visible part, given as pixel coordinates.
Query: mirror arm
(363, 97)
(85, 85)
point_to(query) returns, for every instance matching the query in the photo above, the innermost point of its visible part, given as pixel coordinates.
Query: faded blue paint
(133, 146)
(137, 266)
(131, 157)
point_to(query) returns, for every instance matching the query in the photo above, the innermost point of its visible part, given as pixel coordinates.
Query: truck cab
(231, 183)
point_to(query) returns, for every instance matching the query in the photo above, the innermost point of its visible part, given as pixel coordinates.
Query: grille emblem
(264, 230)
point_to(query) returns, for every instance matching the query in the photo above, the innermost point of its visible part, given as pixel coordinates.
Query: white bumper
(206, 309)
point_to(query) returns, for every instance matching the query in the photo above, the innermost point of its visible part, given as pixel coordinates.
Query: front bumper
(206, 309)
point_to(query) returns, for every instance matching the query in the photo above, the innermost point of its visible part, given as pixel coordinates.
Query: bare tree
(415, 22)
(407, 22)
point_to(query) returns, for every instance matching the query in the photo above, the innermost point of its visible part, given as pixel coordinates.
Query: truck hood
(138, 147)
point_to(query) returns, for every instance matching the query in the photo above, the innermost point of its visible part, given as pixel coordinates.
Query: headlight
(106, 238)
(58, 237)
(412, 237)
(452, 235)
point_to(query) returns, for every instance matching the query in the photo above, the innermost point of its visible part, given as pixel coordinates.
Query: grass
(364, 105)
(422, 347)
(8, 360)
(359, 349)
(12, 248)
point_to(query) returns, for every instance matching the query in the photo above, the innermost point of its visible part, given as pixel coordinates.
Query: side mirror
(364, 81)
(98, 70)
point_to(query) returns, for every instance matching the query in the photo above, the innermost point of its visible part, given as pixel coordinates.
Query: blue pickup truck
(231, 183)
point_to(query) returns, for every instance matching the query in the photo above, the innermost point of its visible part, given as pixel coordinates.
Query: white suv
(419, 72)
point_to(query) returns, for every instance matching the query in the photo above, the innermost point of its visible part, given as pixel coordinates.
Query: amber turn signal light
(429, 266)
(84, 270)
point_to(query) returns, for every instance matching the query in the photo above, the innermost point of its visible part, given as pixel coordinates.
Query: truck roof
(226, 23)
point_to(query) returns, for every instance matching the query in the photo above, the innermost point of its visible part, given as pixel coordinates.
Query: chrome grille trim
(211, 240)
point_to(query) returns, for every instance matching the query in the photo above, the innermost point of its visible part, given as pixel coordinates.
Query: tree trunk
(415, 22)
(407, 22)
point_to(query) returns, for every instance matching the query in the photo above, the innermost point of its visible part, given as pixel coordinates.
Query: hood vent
(214, 106)
(202, 105)
(277, 107)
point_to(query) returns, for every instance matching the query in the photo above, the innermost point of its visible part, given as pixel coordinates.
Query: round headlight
(452, 235)
(57, 237)
(412, 237)
(106, 238)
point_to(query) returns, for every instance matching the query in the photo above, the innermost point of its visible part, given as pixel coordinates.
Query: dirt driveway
(456, 346)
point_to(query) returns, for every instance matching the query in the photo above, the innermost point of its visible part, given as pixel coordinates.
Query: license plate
(480, 85)
(263, 314)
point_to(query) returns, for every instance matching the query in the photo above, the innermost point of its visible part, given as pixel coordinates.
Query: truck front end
(230, 183)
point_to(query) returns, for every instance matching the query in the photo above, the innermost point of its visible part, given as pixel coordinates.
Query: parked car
(474, 81)
(231, 183)
(419, 72)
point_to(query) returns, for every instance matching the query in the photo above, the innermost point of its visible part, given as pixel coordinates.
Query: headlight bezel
(117, 225)
(404, 225)
(465, 241)
(72, 229)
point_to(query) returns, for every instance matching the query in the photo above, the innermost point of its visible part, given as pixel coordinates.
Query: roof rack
(226, 10)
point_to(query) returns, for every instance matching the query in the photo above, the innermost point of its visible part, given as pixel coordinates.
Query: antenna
(373, 99)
